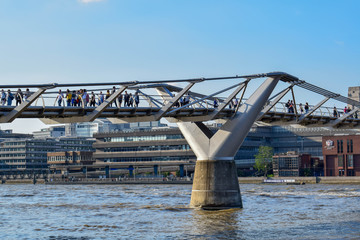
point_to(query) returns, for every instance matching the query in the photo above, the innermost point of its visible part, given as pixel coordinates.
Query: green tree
(263, 160)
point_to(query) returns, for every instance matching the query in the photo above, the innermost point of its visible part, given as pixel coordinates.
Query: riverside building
(167, 143)
(161, 144)
(29, 155)
(292, 164)
(341, 155)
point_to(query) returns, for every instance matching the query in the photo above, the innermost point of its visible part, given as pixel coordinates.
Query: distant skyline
(119, 40)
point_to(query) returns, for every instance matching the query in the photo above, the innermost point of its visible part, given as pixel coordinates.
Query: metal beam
(198, 103)
(240, 100)
(304, 116)
(226, 102)
(252, 76)
(279, 96)
(165, 94)
(172, 101)
(150, 99)
(20, 108)
(92, 116)
(205, 97)
(293, 96)
(342, 118)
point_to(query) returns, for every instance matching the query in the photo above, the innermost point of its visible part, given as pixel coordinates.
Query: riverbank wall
(242, 180)
(306, 180)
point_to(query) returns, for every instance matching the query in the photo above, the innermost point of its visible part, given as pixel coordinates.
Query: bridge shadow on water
(216, 224)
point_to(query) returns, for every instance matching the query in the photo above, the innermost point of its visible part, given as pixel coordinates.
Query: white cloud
(90, 1)
(340, 43)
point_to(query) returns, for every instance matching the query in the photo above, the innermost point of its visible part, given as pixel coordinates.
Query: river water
(162, 212)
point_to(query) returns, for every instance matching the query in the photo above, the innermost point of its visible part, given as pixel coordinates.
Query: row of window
(72, 142)
(148, 148)
(78, 148)
(143, 138)
(24, 149)
(288, 162)
(5, 155)
(68, 158)
(12, 149)
(14, 143)
(22, 161)
(4, 167)
(349, 146)
(350, 161)
(13, 155)
(143, 159)
(42, 144)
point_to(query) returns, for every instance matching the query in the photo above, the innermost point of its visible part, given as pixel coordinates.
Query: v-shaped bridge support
(215, 181)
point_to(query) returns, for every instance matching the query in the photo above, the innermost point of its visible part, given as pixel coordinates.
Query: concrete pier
(216, 185)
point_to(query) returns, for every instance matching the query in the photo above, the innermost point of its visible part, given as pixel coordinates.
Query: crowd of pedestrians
(74, 98)
(83, 98)
(305, 109)
(7, 97)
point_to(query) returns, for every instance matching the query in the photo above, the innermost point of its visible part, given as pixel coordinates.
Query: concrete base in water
(215, 185)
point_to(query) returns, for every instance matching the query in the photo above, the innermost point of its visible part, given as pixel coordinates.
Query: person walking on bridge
(216, 103)
(92, 99)
(9, 98)
(335, 112)
(301, 108)
(120, 99)
(3, 97)
(131, 100)
(59, 98)
(136, 99)
(306, 107)
(27, 94)
(73, 99)
(108, 94)
(112, 92)
(126, 99)
(19, 97)
(68, 97)
(85, 98)
(100, 98)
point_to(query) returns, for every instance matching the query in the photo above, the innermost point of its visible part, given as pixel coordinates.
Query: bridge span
(215, 182)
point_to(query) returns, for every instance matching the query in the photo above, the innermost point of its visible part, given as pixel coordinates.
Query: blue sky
(68, 41)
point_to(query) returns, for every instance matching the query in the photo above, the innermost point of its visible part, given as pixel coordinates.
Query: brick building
(341, 155)
(292, 164)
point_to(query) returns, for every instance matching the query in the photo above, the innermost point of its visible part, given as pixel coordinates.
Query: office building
(87, 129)
(167, 143)
(163, 144)
(51, 132)
(29, 154)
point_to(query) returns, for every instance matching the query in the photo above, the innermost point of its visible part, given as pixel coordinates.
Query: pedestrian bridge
(215, 182)
(168, 102)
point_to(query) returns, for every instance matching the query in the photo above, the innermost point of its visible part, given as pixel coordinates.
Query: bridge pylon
(215, 184)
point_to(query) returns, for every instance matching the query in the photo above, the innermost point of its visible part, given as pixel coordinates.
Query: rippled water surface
(162, 212)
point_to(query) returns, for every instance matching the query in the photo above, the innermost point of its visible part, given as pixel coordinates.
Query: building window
(341, 146)
(348, 145)
(350, 160)
(351, 145)
(340, 161)
(338, 146)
